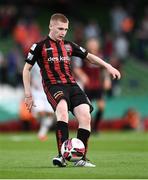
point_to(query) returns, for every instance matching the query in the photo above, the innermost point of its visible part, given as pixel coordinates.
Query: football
(73, 149)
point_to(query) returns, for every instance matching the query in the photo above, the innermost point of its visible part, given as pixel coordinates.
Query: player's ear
(50, 26)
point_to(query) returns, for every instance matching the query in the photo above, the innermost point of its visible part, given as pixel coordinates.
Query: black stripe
(51, 64)
(60, 53)
(41, 65)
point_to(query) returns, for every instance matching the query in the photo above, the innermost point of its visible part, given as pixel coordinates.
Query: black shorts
(96, 94)
(72, 93)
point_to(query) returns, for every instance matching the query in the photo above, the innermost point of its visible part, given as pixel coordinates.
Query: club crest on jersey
(68, 47)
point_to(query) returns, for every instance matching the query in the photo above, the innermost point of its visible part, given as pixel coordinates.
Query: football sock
(62, 134)
(83, 135)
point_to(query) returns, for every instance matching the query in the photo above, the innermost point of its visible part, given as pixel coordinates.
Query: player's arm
(98, 61)
(30, 61)
(27, 79)
(83, 53)
(27, 85)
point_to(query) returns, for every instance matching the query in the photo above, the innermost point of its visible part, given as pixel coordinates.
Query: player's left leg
(82, 113)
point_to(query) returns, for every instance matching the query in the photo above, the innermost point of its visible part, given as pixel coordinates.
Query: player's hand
(113, 71)
(29, 103)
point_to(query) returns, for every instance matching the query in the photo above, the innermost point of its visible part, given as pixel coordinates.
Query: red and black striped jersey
(54, 60)
(95, 74)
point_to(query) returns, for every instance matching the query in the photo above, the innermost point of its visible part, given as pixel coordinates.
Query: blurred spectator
(142, 37)
(78, 34)
(127, 25)
(92, 30)
(42, 110)
(99, 81)
(3, 69)
(108, 45)
(96, 81)
(26, 33)
(80, 76)
(8, 16)
(131, 119)
(121, 47)
(15, 62)
(117, 14)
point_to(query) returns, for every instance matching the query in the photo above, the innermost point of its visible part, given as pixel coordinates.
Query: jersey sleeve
(76, 62)
(33, 54)
(78, 51)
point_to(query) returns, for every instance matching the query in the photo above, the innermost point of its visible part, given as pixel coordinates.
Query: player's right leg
(62, 132)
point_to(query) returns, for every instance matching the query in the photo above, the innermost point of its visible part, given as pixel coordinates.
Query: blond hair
(59, 17)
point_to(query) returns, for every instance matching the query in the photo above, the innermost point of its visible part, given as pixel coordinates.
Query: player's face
(93, 46)
(58, 30)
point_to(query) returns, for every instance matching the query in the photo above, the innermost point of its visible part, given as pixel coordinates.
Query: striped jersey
(54, 60)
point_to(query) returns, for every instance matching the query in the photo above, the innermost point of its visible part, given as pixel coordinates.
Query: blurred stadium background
(122, 29)
(120, 25)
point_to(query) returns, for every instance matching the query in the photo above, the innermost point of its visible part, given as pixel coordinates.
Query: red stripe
(59, 134)
(67, 63)
(51, 100)
(49, 96)
(46, 65)
(57, 64)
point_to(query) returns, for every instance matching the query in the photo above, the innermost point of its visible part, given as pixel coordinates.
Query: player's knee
(62, 116)
(88, 120)
(62, 112)
(85, 118)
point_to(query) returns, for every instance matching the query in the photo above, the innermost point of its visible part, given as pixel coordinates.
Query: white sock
(45, 125)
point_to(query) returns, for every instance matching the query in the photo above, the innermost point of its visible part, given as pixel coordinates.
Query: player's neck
(52, 38)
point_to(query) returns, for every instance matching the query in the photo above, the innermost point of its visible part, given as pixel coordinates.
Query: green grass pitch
(117, 155)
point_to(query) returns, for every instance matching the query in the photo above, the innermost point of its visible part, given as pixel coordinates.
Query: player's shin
(83, 135)
(62, 134)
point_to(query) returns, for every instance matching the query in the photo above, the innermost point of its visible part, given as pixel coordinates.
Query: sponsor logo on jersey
(68, 47)
(30, 56)
(61, 58)
(82, 49)
(33, 47)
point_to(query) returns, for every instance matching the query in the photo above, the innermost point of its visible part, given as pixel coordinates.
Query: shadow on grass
(42, 167)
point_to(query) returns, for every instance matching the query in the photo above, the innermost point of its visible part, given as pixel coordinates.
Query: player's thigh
(62, 111)
(78, 97)
(55, 94)
(82, 112)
